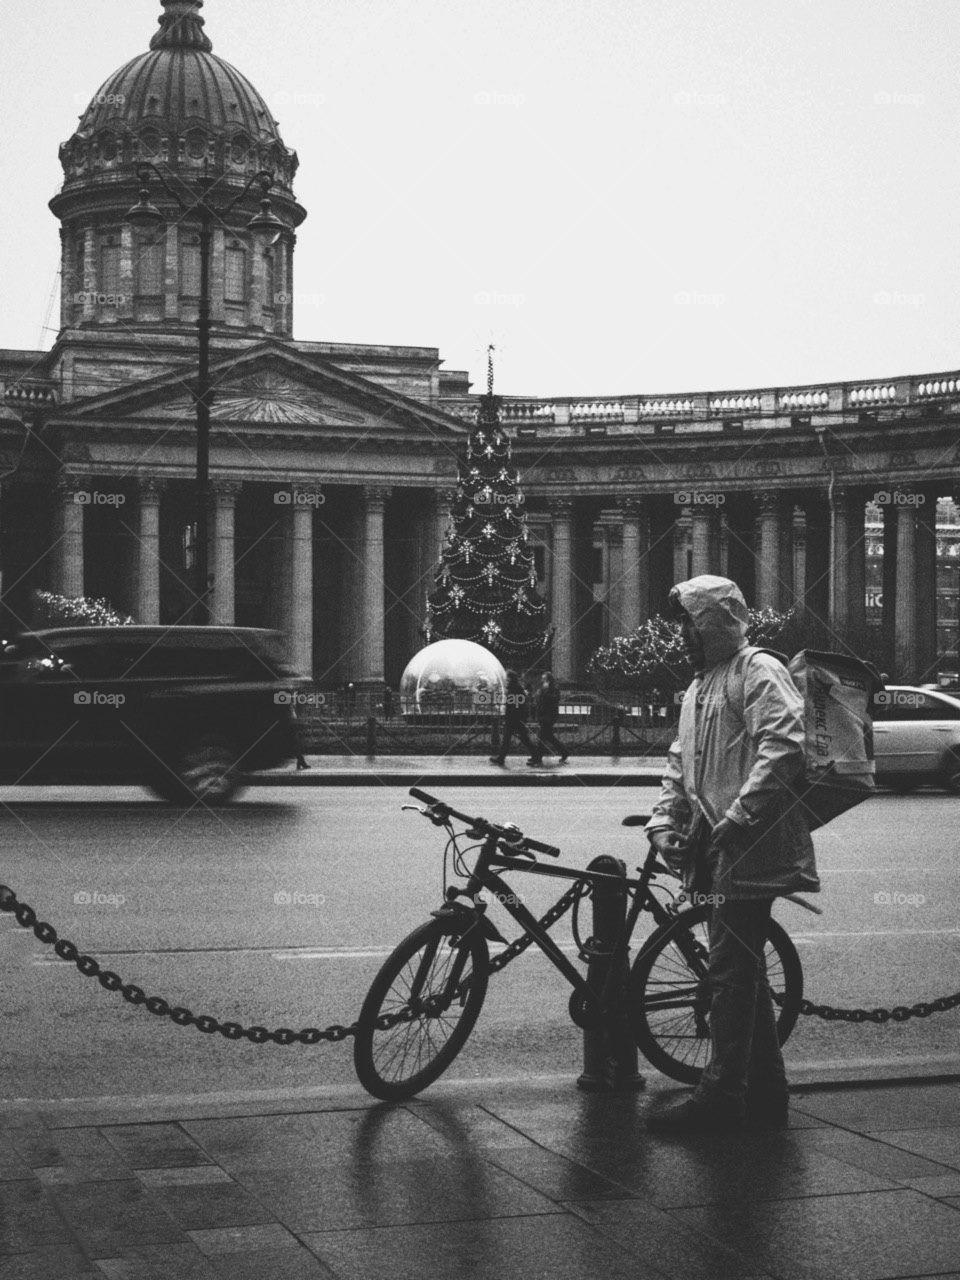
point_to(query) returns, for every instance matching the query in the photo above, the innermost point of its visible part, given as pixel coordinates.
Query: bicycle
(426, 999)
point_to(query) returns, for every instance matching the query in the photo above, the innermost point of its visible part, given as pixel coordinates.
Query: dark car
(187, 711)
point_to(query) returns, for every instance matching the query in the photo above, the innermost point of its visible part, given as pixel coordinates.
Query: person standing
(516, 704)
(726, 820)
(547, 708)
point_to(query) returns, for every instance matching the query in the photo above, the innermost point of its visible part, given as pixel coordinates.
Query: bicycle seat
(635, 820)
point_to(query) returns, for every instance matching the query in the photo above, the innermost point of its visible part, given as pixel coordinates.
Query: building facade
(333, 465)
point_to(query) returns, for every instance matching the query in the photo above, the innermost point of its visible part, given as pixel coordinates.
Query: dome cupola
(204, 126)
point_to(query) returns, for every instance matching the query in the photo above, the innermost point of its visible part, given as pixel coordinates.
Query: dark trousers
(746, 1064)
(546, 737)
(512, 729)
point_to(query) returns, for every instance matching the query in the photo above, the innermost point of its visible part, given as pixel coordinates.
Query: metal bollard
(371, 735)
(495, 736)
(609, 1050)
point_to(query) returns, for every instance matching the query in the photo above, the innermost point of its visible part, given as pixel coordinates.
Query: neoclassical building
(333, 464)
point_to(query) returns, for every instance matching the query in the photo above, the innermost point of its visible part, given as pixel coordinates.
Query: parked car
(185, 710)
(916, 738)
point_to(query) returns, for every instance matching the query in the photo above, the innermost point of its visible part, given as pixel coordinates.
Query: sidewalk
(488, 1180)
(474, 771)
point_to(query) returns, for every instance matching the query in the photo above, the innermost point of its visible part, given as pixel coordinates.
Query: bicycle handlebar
(513, 839)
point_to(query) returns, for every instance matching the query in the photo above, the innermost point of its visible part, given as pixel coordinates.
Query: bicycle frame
(484, 876)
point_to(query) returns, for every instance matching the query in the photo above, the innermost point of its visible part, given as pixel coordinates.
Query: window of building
(149, 265)
(190, 268)
(110, 266)
(235, 273)
(269, 279)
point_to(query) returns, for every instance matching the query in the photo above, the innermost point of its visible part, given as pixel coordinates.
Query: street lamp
(147, 216)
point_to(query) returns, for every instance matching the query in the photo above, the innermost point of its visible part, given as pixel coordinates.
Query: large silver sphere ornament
(452, 676)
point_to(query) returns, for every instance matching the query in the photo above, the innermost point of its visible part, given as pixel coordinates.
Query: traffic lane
(330, 866)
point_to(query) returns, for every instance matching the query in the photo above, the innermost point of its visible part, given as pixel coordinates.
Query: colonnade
(805, 547)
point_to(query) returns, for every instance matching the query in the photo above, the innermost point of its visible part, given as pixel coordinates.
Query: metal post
(371, 735)
(202, 612)
(495, 736)
(609, 1050)
(617, 721)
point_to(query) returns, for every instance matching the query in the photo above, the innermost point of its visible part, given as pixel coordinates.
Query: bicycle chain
(26, 917)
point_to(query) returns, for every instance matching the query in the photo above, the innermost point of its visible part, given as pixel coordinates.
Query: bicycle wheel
(441, 974)
(669, 998)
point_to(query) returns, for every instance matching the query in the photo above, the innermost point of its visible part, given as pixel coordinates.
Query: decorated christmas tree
(486, 581)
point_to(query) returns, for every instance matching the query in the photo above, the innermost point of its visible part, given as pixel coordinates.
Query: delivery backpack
(838, 771)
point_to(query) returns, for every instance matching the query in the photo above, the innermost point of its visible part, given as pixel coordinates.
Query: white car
(916, 738)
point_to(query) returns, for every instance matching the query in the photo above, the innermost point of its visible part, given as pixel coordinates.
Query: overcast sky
(624, 195)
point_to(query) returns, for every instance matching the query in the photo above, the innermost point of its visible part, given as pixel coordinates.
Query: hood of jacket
(719, 612)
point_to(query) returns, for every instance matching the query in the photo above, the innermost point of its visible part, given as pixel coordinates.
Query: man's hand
(728, 835)
(670, 845)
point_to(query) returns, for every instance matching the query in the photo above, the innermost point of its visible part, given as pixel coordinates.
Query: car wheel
(951, 773)
(204, 771)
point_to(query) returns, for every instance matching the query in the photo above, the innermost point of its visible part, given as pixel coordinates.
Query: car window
(99, 659)
(935, 708)
(225, 658)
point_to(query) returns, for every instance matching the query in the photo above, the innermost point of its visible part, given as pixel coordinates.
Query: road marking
(292, 953)
(875, 933)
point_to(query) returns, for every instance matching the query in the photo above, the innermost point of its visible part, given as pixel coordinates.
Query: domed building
(333, 465)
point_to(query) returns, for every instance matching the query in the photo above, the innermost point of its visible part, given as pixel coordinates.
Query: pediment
(271, 384)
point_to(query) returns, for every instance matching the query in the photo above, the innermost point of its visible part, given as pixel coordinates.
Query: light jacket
(739, 744)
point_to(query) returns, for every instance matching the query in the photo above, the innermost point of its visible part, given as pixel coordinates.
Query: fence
(346, 723)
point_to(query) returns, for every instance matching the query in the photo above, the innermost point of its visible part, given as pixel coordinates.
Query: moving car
(187, 711)
(916, 737)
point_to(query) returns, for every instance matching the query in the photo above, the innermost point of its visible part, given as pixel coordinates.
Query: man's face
(692, 640)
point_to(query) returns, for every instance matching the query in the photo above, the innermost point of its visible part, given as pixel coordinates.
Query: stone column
(127, 272)
(148, 553)
(372, 636)
(723, 545)
(70, 558)
(768, 551)
(785, 518)
(839, 569)
(927, 611)
(799, 545)
(222, 559)
(889, 610)
(635, 589)
(906, 607)
(704, 539)
(856, 564)
(561, 589)
(299, 611)
(681, 539)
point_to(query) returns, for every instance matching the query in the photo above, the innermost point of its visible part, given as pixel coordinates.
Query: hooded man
(727, 822)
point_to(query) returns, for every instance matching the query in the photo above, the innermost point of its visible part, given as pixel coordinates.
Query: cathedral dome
(181, 106)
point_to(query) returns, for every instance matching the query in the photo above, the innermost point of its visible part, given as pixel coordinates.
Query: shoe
(534, 763)
(564, 759)
(496, 760)
(302, 764)
(693, 1117)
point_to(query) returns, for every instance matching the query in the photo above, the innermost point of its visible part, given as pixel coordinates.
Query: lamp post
(147, 215)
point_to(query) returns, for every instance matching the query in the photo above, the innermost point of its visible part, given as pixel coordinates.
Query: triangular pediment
(274, 385)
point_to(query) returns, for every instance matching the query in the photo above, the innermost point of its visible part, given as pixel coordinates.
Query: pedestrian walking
(297, 735)
(547, 709)
(515, 711)
(726, 821)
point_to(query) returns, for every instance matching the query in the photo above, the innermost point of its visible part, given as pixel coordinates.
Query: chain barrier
(899, 1013)
(26, 917)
